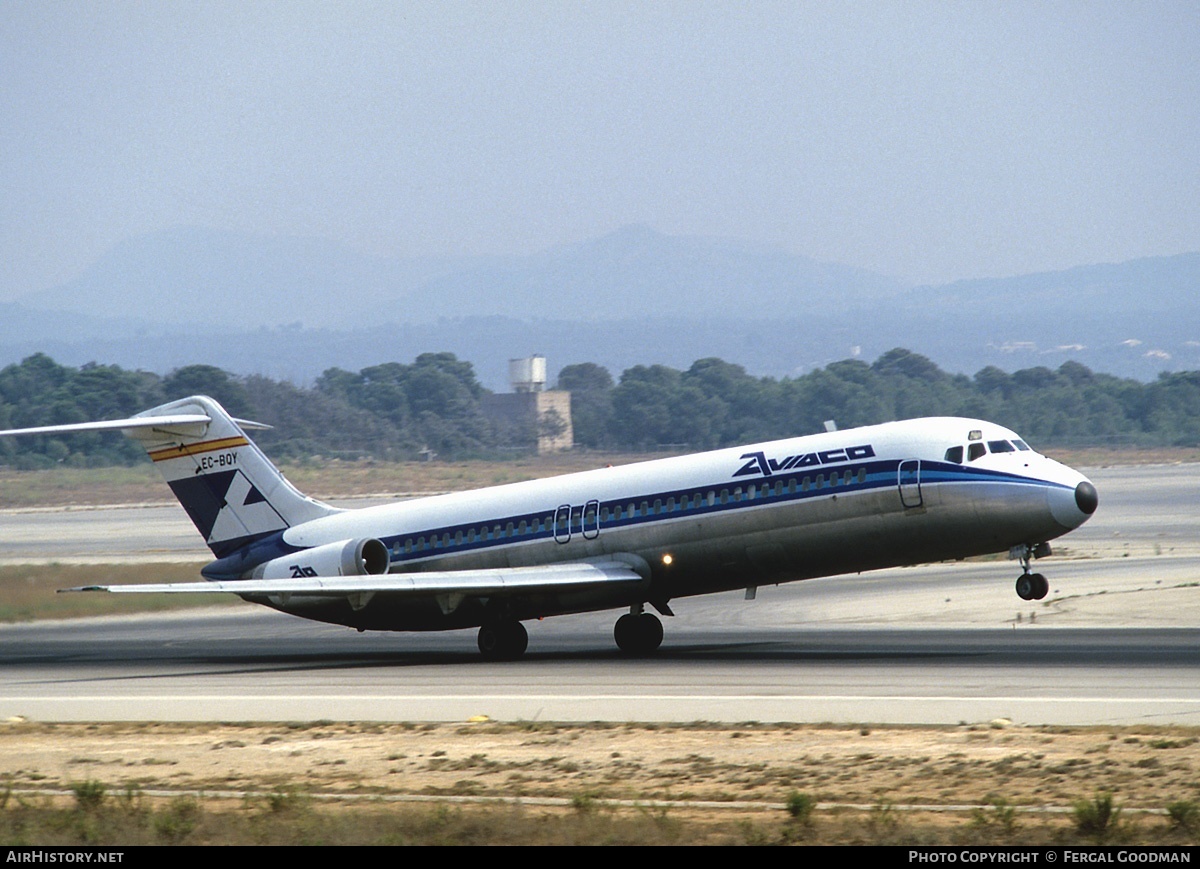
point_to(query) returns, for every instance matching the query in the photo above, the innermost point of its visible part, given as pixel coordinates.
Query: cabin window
(458, 538)
(862, 475)
(508, 530)
(846, 478)
(805, 484)
(954, 454)
(446, 539)
(658, 505)
(976, 451)
(712, 498)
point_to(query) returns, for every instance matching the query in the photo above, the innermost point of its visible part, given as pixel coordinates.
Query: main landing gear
(638, 633)
(1031, 586)
(503, 640)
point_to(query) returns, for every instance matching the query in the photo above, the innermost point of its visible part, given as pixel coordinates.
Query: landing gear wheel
(503, 641)
(625, 633)
(638, 635)
(1032, 586)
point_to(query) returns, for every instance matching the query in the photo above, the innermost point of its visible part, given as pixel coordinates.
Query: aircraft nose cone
(1073, 506)
(1087, 499)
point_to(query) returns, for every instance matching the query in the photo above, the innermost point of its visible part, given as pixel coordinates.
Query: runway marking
(655, 698)
(936, 710)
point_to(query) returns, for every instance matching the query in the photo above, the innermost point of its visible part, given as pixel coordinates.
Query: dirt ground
(968, 765)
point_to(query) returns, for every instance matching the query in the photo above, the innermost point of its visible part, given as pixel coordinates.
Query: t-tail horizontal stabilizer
(231, 491)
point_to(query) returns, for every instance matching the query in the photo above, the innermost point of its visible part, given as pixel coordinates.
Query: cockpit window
(954, 454)
(1021, 445)
(975, 451)
(1000, 446)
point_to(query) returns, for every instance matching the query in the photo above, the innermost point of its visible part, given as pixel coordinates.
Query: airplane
(827, 504)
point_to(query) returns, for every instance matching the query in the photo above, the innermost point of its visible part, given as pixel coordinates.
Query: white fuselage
(825, 504)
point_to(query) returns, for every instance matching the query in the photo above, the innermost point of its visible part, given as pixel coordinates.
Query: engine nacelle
(365, 556)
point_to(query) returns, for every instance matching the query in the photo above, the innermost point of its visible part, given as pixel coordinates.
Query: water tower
(541, 417)
(528, 374)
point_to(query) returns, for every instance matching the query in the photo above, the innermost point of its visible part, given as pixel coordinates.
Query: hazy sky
(929, 141)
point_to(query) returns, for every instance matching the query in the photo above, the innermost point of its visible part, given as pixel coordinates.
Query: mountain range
(292, 307)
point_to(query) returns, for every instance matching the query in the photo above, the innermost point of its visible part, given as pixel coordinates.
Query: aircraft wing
(491, 582)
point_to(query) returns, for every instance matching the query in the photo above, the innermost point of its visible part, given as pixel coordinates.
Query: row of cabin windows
(978, 450)
(687, 501)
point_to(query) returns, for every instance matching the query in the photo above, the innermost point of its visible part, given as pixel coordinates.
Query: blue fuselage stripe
(654, 507)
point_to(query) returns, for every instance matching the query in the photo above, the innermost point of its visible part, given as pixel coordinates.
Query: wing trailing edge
(491, 582)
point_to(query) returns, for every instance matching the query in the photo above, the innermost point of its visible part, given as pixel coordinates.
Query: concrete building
(538, 416)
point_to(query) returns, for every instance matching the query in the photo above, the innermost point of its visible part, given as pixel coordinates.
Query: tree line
(404, 411)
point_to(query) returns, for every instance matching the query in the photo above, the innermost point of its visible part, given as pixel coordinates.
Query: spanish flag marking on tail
(175, 452)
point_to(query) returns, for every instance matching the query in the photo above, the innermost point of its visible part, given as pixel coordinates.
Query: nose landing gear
(1031, 586)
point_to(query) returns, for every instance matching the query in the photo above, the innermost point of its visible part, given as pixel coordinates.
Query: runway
(1117, 642)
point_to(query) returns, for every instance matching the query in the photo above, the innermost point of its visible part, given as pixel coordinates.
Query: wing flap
(492, 582)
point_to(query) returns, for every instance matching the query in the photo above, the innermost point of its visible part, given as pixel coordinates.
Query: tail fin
(230, 489)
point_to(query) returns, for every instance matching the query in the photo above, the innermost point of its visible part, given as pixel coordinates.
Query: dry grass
(130, 818)
(1104, 457)
(60, 487)
(613, 783)
(31, 590)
